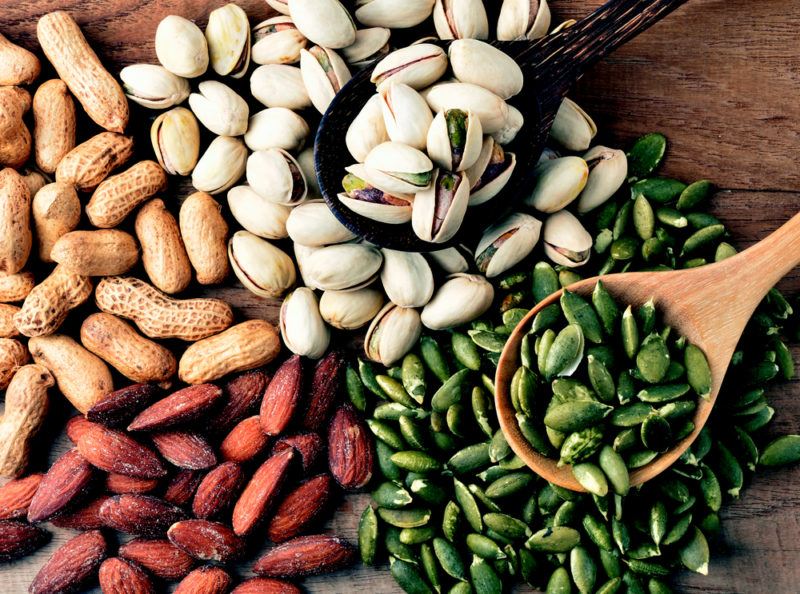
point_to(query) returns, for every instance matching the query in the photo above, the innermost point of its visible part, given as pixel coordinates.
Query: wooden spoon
(710, 306)
(551, 66)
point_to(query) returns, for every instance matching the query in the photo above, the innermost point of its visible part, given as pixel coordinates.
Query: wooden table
(720, 79)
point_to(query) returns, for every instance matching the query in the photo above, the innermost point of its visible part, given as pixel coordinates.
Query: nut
(206, 540)
(18, 66)
(218, 490)
(15, 227)
(209, 580)
(205, 235)
(351, 451)
(90, 162)
(84, 517)
(34, 180)
(259, 494)
(115, 451)
(67, 481)
(228, 37)
(158, 556)
(54, 124)
(119, 483)
(56, 210)
(279, 85)
(71, 565)
(26, 407)
(324, 390)
(179, 407)
(245, 346)
(7, 327)
(118, 576)
(307, 445)
(265, 585)
(15, 138)
(15, 287)
(181, 47)
(140, 514)
(220, 109)
(47, 305)
(18, 539)
(258, 215)
(105, 252)
(306, 555)
(175, 136)
(324, 22)
(302, 328)
(282, 396)
(185, 450)
(221, 166)
(261, 267)
(300, 508)
(119, 195)
(153, 86)
(276, 128)
(78, 66)
(163, 253)
(244, 442)
(76, 426)
(16, 495)
(242, 396)
(13, 355)
(181, 487)
(119, 407)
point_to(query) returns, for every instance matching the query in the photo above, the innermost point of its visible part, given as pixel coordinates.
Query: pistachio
(523, 19)
(219, 108)
(392, 334)
(393, 14)
(228, 37)
(302, 327)
(513, 124)
(279, 85)
(439, 210)
(153, 86)
(488, 107)
(324, 22)
(370, 46)
(221, 166)
(406, 115)
(506, 243)
(175, 136)
(455, 139)
(258, 215)
(558, 182)
(406, 278)
(418, 66)
(276, 176)
(276, 127)
(461, 299)
(451, 260)
(350, 310)
(398, 168)
(490, 172)
(324, 74)
(277, 41)
(484, 65)
(608, 169)
(366, 199)
(181, 47)
(566, 242)
(367, 130)
(313, 224)
(343, 267)
(282, 6)
(261, 267)
(459, 19)
(573, 128)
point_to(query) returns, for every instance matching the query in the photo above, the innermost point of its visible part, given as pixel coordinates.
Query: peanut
(104, 252)
(15, 287)
(7, 327)
(160, 316)
(18, 66)
(241, 347)
(78, 66)
(13, 355)
(54, 124)
(116, 197)
(90, 162)
(163, 253)
(56, 210)
(26, 407)
(34, 180)
(47, 305)
(118, 344)
(82, 377)
(205, 234)
(15, 224)
(15, 138)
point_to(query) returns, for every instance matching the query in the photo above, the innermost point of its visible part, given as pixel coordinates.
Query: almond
(118, 576)
(75, 427)
(265, 586)
(206, 541)
(306, 555)
(140, 514)
(260, 493)
(300, 508)
(158, 556)
(324, 390)
(179, 407)
(16, 495)
(184, 449)
(281, 397)
(181, 487)
(308, 445)
(242, 395)
(18, 539)
(120, 406)
(205, 580)
(72, 565)
(351, 451)
(218, 490)
(85, 517)
(114, 451)
(120, 483)
(245, 441)
(65, 483)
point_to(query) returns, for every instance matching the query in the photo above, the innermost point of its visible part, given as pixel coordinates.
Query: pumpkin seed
(367, 373)
(565, 353)
(591, 478)
(724, 251)
(576, 415)
(695, 554)
(413, 433)
(656, 433)
(632, 583)
(413, 377)
(567, 277)
(653, 359)
(498, 447)
(646, 155)
(711, 489)
(678, 530)
(781, 451)
(578, 311)
(523, 386)
(624, 249)
(385, 433)
(543, 345)
(659, 189)
(506, 525)
(601, 379)
(583, 569)
(625, 440)
(730, 471)
(355, 389)
(610, 562)
(663, 393)
(701, 238)
(392, 411)
(449, 559)
(396, 548)
(626, 389)
(698, 372)
(631, 415)
(644, 219)
(391, 496)
(656, 587)
(629, 333)
(556, 539)
(468, 505)
(580, 445)
(677, 409)
(465, 351)
(759, 420)
(434, 358)
(671, 217)
(532, 434)
(559, 582)
(484, 547)
(470, 459)
(482, 410)
(368, 535)
(405, 518)
(615, 470)
(784, 359)
(450, 391)
(460, 588)
(484, 579)
(488, 341)
(456, 419)
(641, 458)
(416, 461)
(694, 194)
(658, 522)
(430, 565)
(610, 587)
(509, 485)
(408, 577)
(428, 491)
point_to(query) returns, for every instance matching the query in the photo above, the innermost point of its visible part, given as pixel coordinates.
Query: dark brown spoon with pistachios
(550, 66)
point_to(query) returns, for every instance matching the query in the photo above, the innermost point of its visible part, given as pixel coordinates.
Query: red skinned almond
(86, 517)
(75, 428)
(206, 540)
(158, 556)
(308, 445)
(120, 483)
(119, 407)
(184, 449)
(18, 539)
(351, 451)
(140, 514)
(181, 487)
(16, 496)
(242, 395)
(218, 490)
(300, 508)
(324, 390)
(118, 576)
(266, 586)
(114, 451)
(281, 397)
(179, 407)
(306, 555)
(260, 493)
(205, 580)
(67, 481)
(245, 441)
(72, 565)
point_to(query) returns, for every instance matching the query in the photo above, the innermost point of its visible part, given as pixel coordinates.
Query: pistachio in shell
(406, 115)
(302, 328)
(557, 183)
(490, 172)
(566, 242)
(417, 66)
(279, 85)
(407, 278)
(228, 38)
(479, 63)
(369, 201)
(276, 176)
(513, 124)
(452, 260)
(276, 127)
(460, 19)
(393, 14)
(488, 107)
(324, 74)
(181, 47)
(347, 266)
(460, 300)
(367, 130)
(324, 22)
(257, 214)
(398, 168)
(392, 334)
(263, 268)
(573, 128)
(350, 310)
(506, 243)
(277, 41)
(175, 136)
(523, 19)
(153, 86)
(455, 139)
(371, 45)
(608, 169)
(219, 108)
(439, 210)
(313, 224)
(221, 166)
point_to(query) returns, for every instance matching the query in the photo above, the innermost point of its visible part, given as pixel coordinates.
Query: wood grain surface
(720, 79)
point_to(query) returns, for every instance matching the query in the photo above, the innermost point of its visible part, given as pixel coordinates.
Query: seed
(671, 217)
(465, 351)
(575, 416)
(606, 308)
(509, 484)
(415, 536)
(546, 318)
(659, 189)
(567, 277)
(656, 433)
(506, 525)
(498, 447)
(451, 520)
(470, 459)
(367, 373)
(580, 445)
(694, 194)
(413, 377)
(544, 345)
(583, 569)
(711, 490)
(481, 408)
(394, 389)
(641, 458)
(355, 389)
(449, 559)
(391, 496)
(611, 586)
(408, 577)
(591, 478)
(663, 393)
(578, 311)
(396, 548)
(630, 333)
(484, 547)
(781, 451)
(456, 420)
(615, 470)
(698, 372)
(405, 518)
(468, 505)
(724, 251)
(386, 433)
(533, 435)
(523, 388)
(484, 578)
(392, 411)
(624, 249)
(559, 582)
(653, 359)
(658, 522)
(746, 448)
(565, 353)
(701, 238)
(695, 554)
(434, 358)
(430, 565)
(644, 219)
(646, 155)
(450, 391)
(622, 220)
(368, 535)
(557, 539)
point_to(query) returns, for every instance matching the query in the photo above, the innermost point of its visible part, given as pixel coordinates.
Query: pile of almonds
(197, 476)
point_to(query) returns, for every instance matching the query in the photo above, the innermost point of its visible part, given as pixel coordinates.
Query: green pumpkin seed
(652, 360)
(694, 194)
(565, 353)
(408, 577)
(498, 447)
(603, 241)
(710, 524)
(413, 433)
(606, 308)
(559, 582)
(626, 389)
(695, 263)
(656, 587)
(568, 277)
(567, 514)
(484, 579)
(545, 281)
(607, 267)
(492, 473)
(434, 358)
(630, 333)
(620, 534)
(759, 420)
(568, 390)
(597, 532)
(488, 341)
(644, 219)
(460, 588)
(610, 587)
(465, 351)
(591, 478)
(580, 445)
(396, 548)
(527, 350)
(695, 554)
(456, 419)
(724, 251)
(484, 547)
(451, 520)
(671, 217)
(546, 317)
(368, 535)
(658, 522)
(622, 219)
(413, 377)
(678, 530)
(583, 569)
(610, 563)
(784, 359)
(513, 280)
(355, 389)
(470, 459)
(701, 238)
(506, 525)
(367, 373)
(641, 458)
(392, 411)
(663, 393)
(415, 536)
(385, 433)
(659, 189)
(450, 391)
(624, 249)
(468, 505)
(601, 379)
(645, 156)
(730, 471)
(652, 249)
(781, 451)
(556, 539)
(522, 390)
(449, 559)
(632, 583)
(677, 409)
(430, 565)
(416, 461)
(746, 448)
(631, 415)
(438, 421)
(656, 433)
(513, 317)
(405, 518)
(711, 489)
(578, 311)
(615, 470)
(543, 346)
(512, 463)
(698, 372)
(625, 440)
(482, 410)
(391, 496)
(509, 485)
(388, 468)
(647, 568)
(576, 415)
(529, 569)
(533, 435)
(394, 373)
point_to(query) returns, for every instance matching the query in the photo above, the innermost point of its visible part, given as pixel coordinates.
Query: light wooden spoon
(710, 306)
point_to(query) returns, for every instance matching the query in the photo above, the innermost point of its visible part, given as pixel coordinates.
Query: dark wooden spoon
(551, 67)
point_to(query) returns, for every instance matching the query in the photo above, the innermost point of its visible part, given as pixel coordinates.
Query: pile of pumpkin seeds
(454, 510)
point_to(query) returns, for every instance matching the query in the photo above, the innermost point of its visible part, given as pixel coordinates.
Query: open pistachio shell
(392, 334)
(282, 6)
(608, 170)
(400, 169)
(302, 328)
(367, 130)
(558, 182)
(221, 166)
(261, 267)
(324, 74)
(279, 85)
(406, 115)
(276, 127)
(455, 139)
(523, 19)
(460, 19)
(566, 242)
(438, 211)
(484, 65)
(181, 47)
(512, 126)
(257, 214)
(228, 37)
(406, 278)
(153, 86)
(277, 41)
(343, 267)
(219, 108)
(573, 128)
(418, 66)
(324, 22)
(276, 176)
(488, 107)
(350, 310)
(370, 201)
(393, 14)
(370, 45)
(506, 243)
(176, 140)
(490, 172)
(313, 224)
(452, 260)
(463, 298)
